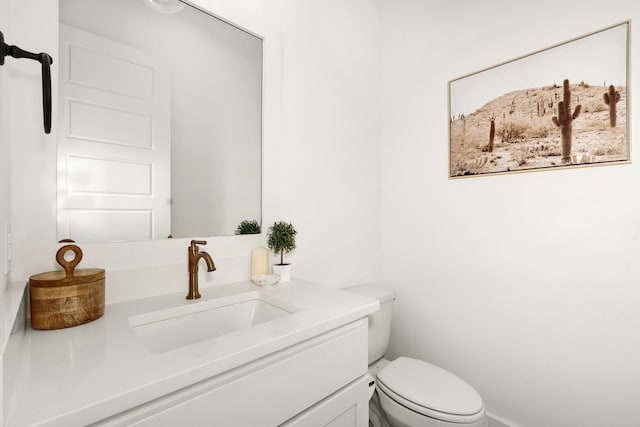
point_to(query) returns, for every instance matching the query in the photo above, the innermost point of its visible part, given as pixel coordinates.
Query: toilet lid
(430, 390)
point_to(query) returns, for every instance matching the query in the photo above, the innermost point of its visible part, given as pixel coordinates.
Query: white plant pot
(284, 270)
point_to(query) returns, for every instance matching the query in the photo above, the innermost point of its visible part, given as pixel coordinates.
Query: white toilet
(413, 392)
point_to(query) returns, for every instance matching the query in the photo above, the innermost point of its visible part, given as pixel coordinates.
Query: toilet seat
(430, 391)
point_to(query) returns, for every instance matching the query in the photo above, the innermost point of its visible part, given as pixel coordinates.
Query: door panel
(114, 146)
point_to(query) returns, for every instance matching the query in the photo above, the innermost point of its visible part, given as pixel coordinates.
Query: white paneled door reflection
(114, 143)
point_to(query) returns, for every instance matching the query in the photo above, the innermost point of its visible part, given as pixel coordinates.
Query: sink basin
(193, 322)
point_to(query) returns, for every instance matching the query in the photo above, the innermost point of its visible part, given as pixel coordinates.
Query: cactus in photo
(492, 133)
(565, 119)
(611, 99)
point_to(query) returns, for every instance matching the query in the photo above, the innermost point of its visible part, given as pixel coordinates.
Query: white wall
(5, 153)
(33, 154)
(321, 156)
(5, 179)
(526, 285)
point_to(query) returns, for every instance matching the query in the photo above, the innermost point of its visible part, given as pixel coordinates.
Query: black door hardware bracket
(43, 58)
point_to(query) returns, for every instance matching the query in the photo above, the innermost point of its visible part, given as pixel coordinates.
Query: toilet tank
(380, 321)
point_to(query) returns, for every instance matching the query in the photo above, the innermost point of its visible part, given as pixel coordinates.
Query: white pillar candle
(259, 261)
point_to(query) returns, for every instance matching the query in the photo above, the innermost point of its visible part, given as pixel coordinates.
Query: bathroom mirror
(159, 122)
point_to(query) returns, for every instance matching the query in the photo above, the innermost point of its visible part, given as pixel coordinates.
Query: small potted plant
(249, 227)
(281, 239)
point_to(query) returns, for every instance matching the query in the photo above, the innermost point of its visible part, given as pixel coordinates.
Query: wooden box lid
(59, 278)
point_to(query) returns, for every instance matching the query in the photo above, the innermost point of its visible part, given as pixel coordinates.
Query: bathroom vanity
(291, 354)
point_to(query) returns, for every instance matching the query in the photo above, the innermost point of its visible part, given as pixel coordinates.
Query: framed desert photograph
(563, 106)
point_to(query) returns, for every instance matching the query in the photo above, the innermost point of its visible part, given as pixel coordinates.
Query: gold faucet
(194, 257)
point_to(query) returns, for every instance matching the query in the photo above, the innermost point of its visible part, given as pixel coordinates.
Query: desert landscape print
(507, 119)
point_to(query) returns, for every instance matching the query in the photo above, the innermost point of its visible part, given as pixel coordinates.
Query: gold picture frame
(563, 106)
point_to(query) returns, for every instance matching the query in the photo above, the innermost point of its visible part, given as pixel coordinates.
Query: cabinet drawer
(348, 407)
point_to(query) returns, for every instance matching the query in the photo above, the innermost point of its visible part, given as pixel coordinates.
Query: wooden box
(61, 299)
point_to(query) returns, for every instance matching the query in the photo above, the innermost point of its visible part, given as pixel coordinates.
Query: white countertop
(80, 375)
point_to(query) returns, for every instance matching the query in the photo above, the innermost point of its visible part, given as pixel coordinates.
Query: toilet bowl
(411, 392)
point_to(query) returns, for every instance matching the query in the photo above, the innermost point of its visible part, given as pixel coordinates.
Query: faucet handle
(198, 242)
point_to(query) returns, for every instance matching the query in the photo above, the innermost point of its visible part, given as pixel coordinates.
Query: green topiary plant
(281, 239)
(249, 227)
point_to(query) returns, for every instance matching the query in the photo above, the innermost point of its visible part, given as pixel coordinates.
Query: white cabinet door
(113, 141)
(348, 407)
